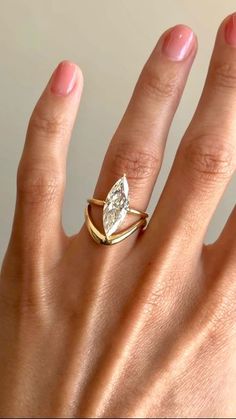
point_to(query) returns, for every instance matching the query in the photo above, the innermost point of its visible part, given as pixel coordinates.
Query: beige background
(110, 40)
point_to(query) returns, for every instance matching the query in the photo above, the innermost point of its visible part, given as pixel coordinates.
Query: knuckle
(47, 125)
(157, 85)
(20, 306)
(137, 164)
(224, 75)
(209, 157)
(33, 301)
(37, 186)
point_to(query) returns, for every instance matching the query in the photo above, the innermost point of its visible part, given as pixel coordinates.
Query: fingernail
(230, 30)
(178, 42)
(64, 78)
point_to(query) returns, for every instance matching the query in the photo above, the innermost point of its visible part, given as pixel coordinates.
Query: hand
(146, 327)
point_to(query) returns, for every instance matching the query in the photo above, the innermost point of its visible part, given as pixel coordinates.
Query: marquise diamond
(116, 206)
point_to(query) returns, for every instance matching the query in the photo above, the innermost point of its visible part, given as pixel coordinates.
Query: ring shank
(114, 238)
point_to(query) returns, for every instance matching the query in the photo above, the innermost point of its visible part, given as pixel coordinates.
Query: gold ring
(115, 208)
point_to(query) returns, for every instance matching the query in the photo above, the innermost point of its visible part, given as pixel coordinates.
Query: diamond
(116, 206)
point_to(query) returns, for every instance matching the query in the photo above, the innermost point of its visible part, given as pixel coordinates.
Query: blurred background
(110, 40)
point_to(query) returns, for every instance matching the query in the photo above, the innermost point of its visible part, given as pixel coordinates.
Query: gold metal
(114, 238)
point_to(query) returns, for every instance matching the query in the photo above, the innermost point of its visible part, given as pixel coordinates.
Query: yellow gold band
(114, 238)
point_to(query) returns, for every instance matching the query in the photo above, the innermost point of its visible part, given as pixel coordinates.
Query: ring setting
(115, 208)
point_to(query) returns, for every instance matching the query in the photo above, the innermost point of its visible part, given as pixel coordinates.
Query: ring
(115, 208)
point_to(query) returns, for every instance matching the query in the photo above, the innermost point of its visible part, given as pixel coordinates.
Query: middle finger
(206, 158)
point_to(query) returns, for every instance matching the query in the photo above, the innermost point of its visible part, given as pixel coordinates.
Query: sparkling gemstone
(116, 206)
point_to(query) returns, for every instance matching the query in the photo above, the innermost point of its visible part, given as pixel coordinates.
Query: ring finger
(138, 144)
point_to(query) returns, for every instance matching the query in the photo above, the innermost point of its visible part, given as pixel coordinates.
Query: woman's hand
(144, 328)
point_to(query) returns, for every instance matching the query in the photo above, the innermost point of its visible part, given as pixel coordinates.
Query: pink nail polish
(64, 78)
(178, 43)
(230, 30)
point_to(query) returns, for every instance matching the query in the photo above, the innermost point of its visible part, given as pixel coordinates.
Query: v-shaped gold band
(114, 238)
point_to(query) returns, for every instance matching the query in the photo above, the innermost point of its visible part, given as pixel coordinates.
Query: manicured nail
(64, 78)
(230, 30)
(178, 43)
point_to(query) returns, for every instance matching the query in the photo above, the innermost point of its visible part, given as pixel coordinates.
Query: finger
(138, 144)
(205, 160)
(41, 172)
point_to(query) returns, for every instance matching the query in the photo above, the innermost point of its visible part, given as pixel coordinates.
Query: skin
(144, 328)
